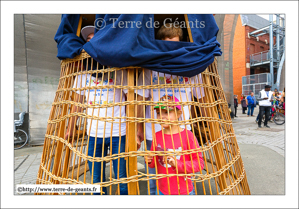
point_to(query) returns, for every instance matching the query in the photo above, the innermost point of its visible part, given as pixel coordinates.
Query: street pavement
(262, 151)
(247, 132)
(263, 154)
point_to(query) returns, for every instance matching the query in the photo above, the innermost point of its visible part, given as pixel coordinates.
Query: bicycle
(278, 118)
(20, 136)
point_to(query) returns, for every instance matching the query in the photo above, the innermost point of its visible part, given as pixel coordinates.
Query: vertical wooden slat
(61, 133)
(188, 28)
(79, 26)
(132, 145)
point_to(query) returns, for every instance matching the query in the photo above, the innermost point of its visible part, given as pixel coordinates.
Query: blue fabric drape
(69, 44)
(115, 46)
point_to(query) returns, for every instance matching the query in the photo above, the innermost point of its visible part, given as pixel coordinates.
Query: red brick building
(244, 46)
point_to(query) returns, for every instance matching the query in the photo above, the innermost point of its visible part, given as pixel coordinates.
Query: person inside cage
(100, 136)
(167, 32)
(174, 138)
(87, 34)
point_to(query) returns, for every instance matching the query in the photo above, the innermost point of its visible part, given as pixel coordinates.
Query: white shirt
(264, 94)
(100, 97)
(186, 94)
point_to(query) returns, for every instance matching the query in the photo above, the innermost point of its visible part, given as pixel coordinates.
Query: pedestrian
(265, 98)
(173, 34)
(282, 104)
(99, 136)
(174, 138)
(251, 103)
(236, 104)
(243, 103)
(277, 96)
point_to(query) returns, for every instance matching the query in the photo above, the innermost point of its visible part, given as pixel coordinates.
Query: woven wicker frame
(64, 159)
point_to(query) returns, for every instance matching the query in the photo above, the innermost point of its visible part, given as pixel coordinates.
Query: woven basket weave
(65, 159)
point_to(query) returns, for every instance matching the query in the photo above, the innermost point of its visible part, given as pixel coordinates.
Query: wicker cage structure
(69, 157)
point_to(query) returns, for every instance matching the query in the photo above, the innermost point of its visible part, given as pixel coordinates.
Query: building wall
(226, 24)
(254, 45)
(245, 46)
(239, 55)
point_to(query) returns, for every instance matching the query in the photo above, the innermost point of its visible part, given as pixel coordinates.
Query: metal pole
(279, 71)
(283, 36)
(271, 48)
(277, 38)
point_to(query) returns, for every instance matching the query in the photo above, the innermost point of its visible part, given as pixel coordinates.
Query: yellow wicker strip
(213, 104)
(137, 87)
(200, 177)
(138, 153)
(134, 119)
(230, 187)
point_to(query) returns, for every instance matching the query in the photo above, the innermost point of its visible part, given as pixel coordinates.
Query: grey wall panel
(39, 136)
(43, 70)
(41, 97)
(20, 97)
(20, 71)
(19, 42)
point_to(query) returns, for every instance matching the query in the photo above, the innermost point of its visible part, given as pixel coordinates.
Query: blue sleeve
(69, 44)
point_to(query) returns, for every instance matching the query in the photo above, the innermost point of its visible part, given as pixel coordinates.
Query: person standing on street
(265, 98)
(236, 104)
(243, 103)
(251, 103)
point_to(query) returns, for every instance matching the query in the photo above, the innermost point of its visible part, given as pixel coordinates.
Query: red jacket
(189, 142)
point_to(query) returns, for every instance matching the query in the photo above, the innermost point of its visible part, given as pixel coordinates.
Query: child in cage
(174, 138)
(167, 32)
(99, 131)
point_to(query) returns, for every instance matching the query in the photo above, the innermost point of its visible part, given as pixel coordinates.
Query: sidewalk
(247, 132)
(262, 152)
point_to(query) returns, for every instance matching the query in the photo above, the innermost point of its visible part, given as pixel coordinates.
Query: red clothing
(159, 146)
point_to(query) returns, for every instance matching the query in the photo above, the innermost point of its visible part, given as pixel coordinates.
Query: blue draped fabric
(69, 44)
(117, 46)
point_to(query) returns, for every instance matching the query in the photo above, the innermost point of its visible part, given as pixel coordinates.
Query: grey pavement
(262, 151)
(247, 132)
(26, 165)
